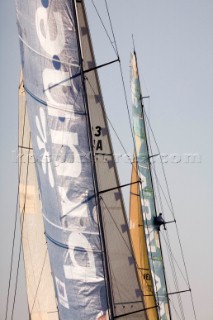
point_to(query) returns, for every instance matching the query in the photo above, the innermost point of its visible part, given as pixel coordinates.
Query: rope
(15, 225)
(105, 29)
(172, 211)
(169, 249)
(20, 244)
(42, 269)
(122, 77)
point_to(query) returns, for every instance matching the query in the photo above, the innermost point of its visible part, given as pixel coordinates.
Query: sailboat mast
(149, 209)
(90, 138)
(140, 247)
(151, 175)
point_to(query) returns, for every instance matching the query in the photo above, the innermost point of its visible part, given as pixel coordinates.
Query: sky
(174, 45)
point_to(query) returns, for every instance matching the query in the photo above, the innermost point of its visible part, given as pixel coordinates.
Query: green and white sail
(147, 196)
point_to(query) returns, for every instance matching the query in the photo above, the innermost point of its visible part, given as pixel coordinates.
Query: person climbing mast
(159, 221)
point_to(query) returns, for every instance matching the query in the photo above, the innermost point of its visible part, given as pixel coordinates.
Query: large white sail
(40, 290)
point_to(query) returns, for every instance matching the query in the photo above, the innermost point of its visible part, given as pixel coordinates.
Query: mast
(40, 289)
(124, 283)
(105, 262)
(147, 196)
(63, 112)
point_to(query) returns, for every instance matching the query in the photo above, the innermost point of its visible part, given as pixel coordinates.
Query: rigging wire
(128, 112)
(22, 220)
(105, 29)
(126, 99)
(122, 76)
(173, 257)
(15, 223)
(111, 26)
(169, 246)
(122, 145)
(166, 241)
(162, 191)
(114, 45)
(176, 312)
(42, 269)
(22, 227)
(171, 208)
(171, 204)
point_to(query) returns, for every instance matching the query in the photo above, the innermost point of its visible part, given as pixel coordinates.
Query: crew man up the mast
(159, 221)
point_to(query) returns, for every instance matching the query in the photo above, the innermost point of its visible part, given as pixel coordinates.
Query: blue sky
(175, 48)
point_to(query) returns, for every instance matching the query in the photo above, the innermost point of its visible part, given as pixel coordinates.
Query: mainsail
(122, 270)
(92, 262)
(40, 290)
(151, 239)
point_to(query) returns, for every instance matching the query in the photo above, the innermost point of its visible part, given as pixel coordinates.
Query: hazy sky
(175, 53)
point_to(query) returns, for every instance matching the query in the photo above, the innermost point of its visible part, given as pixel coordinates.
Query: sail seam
(46, 57)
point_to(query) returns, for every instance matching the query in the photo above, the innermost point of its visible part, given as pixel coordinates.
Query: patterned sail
(73, 191)
(139, 244)
(40, 289)
(124, 284)
(59, 131)
(147, 197)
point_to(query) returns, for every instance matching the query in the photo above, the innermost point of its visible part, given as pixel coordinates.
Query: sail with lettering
(86, 229)
(125, 289)
(144, 232)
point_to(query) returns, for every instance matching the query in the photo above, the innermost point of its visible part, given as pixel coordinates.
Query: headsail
(58, 124)
(58, 115)
(40, 290)
(147, 196)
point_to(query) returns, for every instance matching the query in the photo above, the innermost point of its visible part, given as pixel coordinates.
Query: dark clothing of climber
(159, 221)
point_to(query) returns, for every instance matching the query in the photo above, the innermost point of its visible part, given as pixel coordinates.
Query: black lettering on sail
(98, 131)
(99, 145)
